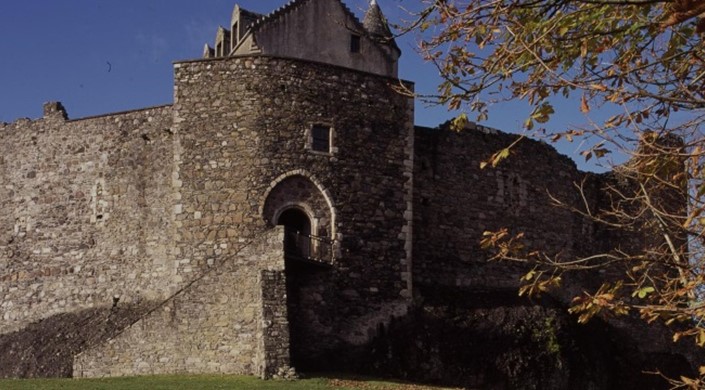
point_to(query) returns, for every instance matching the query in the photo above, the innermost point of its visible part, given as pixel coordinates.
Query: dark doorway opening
(297, 233)
(297, 230)
(295, 220)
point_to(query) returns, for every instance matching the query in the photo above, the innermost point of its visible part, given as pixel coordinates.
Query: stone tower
(295, 121)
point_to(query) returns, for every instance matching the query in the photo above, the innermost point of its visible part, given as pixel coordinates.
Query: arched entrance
(299, 203)
(302, 192)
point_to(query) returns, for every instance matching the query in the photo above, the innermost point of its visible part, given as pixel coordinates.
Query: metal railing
(308, 247)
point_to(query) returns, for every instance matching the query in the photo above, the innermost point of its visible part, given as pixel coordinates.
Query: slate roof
(375, 23)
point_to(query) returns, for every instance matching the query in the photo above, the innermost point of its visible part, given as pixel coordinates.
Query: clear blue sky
(99, 56)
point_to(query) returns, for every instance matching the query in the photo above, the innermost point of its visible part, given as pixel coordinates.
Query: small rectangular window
(354, 43)
(320, 135)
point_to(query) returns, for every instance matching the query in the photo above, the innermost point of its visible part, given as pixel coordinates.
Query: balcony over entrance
(299, 244)
(303, 247)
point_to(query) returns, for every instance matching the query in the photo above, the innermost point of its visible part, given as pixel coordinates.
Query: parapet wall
(86, 219)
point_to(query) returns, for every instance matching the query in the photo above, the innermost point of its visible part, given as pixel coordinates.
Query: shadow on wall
(496, 340)
(47, 347)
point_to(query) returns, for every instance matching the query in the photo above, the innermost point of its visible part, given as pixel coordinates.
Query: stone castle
(284, 211)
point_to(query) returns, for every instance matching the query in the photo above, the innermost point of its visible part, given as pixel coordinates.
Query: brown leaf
(584, 108)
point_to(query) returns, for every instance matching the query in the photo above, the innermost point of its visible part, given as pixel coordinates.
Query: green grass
(202, 382)
(161, 383)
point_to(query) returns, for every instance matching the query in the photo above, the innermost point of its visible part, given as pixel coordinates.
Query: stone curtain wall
(242, 123)
(455, 202)
(216, 324)
(86, 220)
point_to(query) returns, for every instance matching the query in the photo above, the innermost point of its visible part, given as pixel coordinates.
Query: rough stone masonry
(283, 211)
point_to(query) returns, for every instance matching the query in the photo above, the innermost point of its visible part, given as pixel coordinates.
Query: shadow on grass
(355, 381)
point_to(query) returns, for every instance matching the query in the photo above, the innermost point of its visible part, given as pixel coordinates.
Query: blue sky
(99, 56)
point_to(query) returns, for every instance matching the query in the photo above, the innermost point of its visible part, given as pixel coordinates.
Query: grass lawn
(204, 382)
